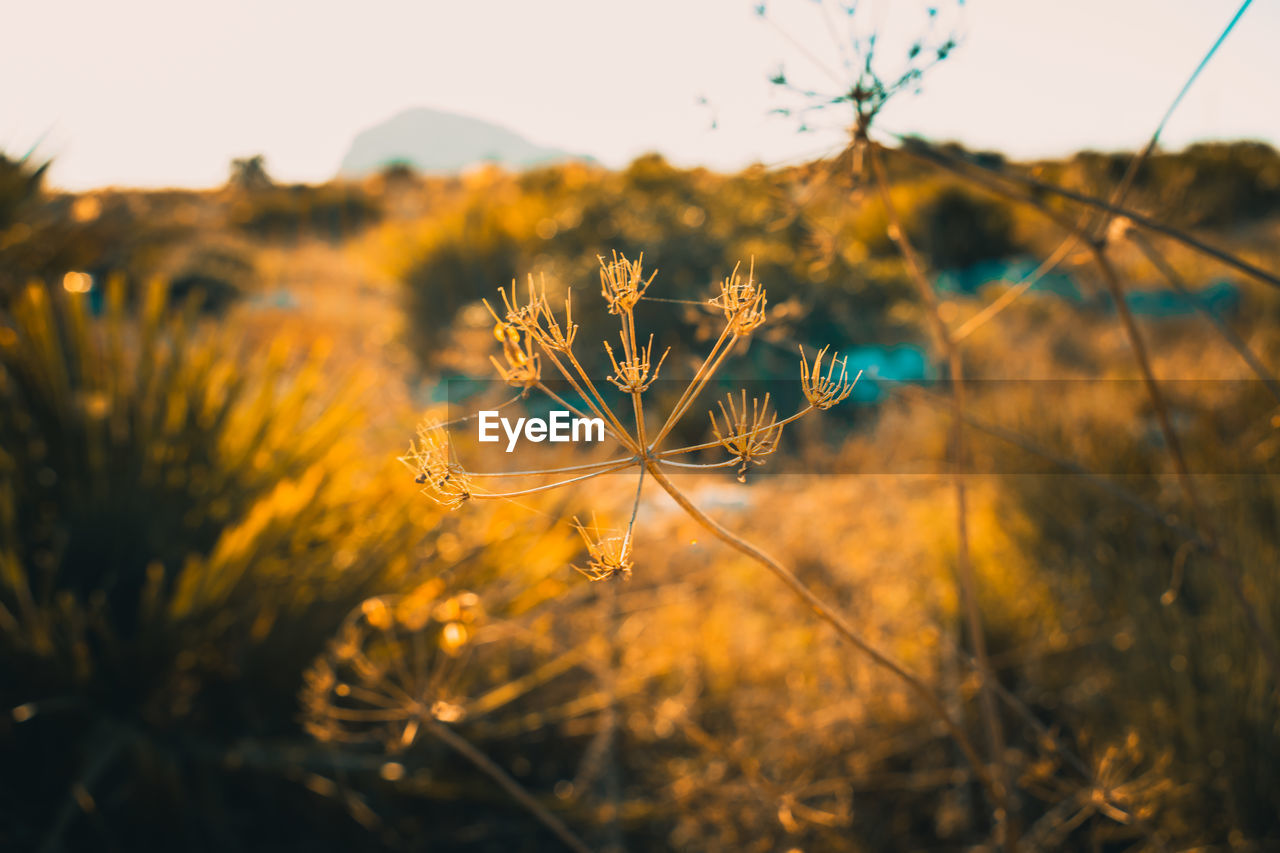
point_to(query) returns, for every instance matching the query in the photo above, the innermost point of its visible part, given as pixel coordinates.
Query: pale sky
(163, 93)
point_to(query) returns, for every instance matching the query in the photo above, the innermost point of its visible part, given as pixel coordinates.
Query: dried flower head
(523, 366)
(609, 554)
(532, 337)
(390, 666)
(428, 458)
(743, 301)
(823, 392)
(622, 282)
(750, 434)
(635, 375)
(535, 317)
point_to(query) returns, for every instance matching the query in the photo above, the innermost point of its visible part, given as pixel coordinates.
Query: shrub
(177, 535)
(956, 229)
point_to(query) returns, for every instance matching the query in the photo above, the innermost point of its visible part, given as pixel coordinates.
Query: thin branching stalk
(1266, 644)
(594, 401)
(1007, 298)
(1235, 577)
(704, 373)
(832, 617)
(566, 469)
(1228, 334)
(549, 486)
(620, 436)
(486, 765)
(1005, 817)
(728, 463)
(956, 164)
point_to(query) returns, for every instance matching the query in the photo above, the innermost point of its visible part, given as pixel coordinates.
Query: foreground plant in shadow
(178, 535)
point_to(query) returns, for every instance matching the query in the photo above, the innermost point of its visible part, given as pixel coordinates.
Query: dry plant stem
(1139, 349)
(1228, 334)
(586, 379)
(1018, 707)
(1005, 299)
(831, 617)
(705, 371)
(1131, 174)
(1235, 577)
(483, 763)
(1261, 636)
(968, 582)
(603, 411)
(556, 485)
(954, 164)
(728, 463)
(635, 505)
(622, 437)
(611, 715)
(1136, 501)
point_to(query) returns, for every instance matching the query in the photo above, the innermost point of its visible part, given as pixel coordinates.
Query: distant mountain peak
(436, 141)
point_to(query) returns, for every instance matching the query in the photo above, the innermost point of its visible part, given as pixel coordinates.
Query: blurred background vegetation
(221, 601)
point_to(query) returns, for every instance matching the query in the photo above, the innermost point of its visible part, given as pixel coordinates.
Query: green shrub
(957, 229)
(332, 212)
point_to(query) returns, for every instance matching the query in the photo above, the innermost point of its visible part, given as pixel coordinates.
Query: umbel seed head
(428, 458)
(742, 301)
(622, 282)
(535, 317)
(635, 375)
(608, 553)
(750, 433)
(823, 392)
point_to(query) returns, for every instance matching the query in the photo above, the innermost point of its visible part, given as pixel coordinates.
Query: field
(1016, 589)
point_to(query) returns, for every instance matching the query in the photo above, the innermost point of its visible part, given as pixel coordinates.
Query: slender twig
(929, 153)
(1006, 299)
(1235, 577)
(700, 378)
(1018, 440)
(487, 766)
(1262, 636)
(832, 617)
(679, 451)
(1131, 173)
(725, 464)
(1228, 334)
(1005, 818)
(548, 486)
(635, 507)
(567, 469)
